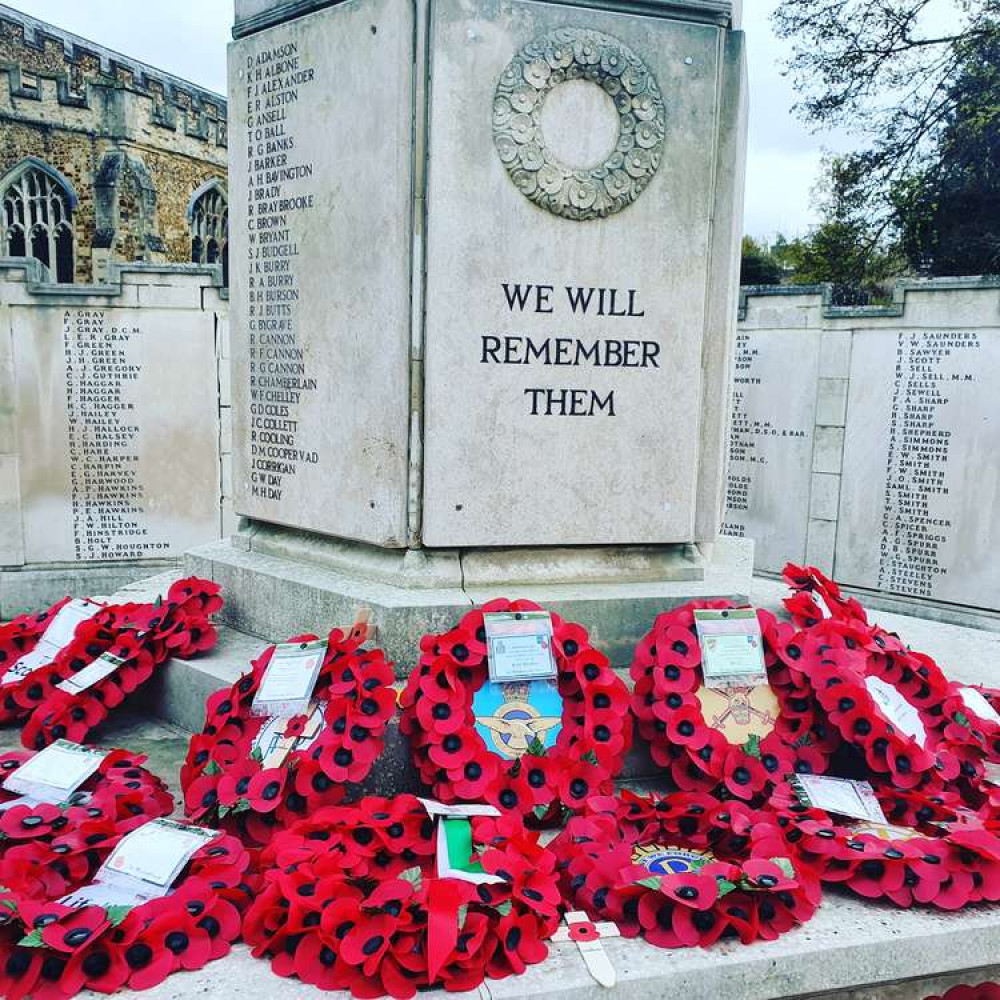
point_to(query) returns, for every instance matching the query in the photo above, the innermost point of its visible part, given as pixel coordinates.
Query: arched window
(209, 214)
(37, 218)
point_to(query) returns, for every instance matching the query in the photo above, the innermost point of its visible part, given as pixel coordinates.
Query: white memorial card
(143, 866)
(287, 686)
(156, 852)
(897, 709)
(839, 795)
(519, 645)
(978, 705)
(59, 634)
(104, 666)
(54, 773)
(732, 649)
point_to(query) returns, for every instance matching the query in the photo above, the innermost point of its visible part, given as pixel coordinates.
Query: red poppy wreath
(20, 635)
(956, 725)
(69, 630)
(45, 848)
(109, 656)
(885, 701)
(928, 853)
(351, 902)
(523, 777)
(51, 951)
(683, 870)
(233, 778)
(742, 740)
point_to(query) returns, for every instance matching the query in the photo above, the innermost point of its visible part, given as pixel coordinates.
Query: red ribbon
(443, 901)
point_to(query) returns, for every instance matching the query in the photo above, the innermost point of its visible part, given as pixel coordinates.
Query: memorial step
(178, 691)
(851, 950)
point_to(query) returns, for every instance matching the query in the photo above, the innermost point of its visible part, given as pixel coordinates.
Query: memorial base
(280, 582)
(27, 589)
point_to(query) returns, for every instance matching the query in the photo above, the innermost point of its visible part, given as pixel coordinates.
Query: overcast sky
(188, 38)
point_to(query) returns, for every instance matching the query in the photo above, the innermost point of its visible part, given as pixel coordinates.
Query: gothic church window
(37, 219)
(210, 229)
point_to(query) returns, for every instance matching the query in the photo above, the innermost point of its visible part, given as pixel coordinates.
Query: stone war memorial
(428, 589)
(470, 349)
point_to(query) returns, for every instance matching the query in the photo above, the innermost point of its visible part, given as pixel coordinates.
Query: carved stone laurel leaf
(539, 67)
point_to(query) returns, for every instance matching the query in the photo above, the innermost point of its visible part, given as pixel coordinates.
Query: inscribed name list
(917, 511)
(118, 456)
(320, 274)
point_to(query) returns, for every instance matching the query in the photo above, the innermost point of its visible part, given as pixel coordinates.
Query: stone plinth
(277, 585)
(483, 284)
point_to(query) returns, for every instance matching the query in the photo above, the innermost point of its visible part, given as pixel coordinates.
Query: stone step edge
(178, 691)
(851, 950)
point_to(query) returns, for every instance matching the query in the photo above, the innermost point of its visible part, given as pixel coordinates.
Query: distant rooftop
(36, 31)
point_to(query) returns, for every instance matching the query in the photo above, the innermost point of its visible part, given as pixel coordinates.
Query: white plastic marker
(588, 936)
(454, 845)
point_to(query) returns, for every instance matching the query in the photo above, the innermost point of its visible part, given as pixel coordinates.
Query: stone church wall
(134, 143)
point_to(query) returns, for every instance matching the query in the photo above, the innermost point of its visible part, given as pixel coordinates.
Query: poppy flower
(234, 783)
(512, 794)
(264, 790)
(576, 781)
(439, 714)
(520, 942)
(28, 822)
(477, 775)
(201, 795)
(75, 930)
(766, 874)
(583, 930)
(678, 646)
(743, 776)
(687, 728)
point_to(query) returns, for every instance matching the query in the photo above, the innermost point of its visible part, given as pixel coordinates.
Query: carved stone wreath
(539, 67)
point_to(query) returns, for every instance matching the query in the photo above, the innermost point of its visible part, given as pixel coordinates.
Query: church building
(103, 158)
